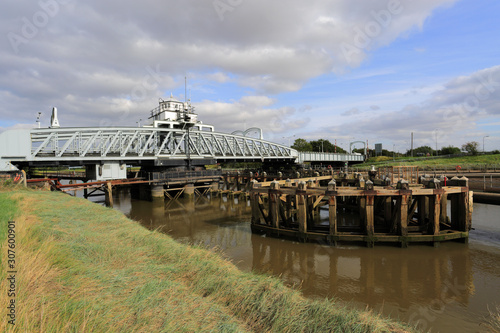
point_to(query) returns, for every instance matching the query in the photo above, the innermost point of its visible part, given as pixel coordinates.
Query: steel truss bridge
(146, 145)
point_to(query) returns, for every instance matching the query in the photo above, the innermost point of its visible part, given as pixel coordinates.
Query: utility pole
(436, 135)
(411, 149)
(486, 136)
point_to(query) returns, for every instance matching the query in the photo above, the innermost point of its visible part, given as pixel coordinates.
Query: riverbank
(83, 267)
(483, 163)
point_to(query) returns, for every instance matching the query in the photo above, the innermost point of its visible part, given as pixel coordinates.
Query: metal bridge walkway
(139, 145)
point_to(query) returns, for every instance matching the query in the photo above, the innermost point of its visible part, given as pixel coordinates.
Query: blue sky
(431, 68)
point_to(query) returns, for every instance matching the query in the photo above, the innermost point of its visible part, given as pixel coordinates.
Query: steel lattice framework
(130, 143)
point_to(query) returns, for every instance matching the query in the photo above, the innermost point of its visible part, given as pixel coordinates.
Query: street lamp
(289, 137)
(486, 136)
(393, 150)
(436, 135)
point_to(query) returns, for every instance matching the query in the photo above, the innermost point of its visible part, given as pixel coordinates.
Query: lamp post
(486, 136)
(289, 137)
(436, 136)
(393, 151)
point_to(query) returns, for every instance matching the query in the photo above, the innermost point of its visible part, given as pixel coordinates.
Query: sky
(341, 70)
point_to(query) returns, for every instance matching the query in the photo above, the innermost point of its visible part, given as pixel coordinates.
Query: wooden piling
(386, 214)
(274, 204)
(108, 195)
(369, 218)
(302, 208)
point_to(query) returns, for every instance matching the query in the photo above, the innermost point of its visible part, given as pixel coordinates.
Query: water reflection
(383, 274)
(447, 288)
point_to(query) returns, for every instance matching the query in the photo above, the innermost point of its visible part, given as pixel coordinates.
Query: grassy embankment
(472, 162)
(83, 267)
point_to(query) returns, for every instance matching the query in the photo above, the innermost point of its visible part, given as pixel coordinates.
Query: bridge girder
(147, 145)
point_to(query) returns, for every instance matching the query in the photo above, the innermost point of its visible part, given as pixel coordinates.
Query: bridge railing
(144, 143)
(173, 175)
(329, 157)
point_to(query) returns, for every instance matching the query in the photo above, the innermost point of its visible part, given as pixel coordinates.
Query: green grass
(8, 209)
(84, 267)
(473, 162)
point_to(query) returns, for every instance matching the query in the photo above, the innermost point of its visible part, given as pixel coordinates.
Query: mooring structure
(401, 213)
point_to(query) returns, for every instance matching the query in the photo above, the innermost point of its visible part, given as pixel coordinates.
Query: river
(450, 288)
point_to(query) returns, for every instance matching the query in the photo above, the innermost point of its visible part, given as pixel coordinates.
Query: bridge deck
(161, 146)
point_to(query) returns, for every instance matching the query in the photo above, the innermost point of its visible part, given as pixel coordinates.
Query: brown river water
(446, 289)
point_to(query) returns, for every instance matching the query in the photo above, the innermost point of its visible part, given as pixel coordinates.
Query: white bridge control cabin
(175, 114)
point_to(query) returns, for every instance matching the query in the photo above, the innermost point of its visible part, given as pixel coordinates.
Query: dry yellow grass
(83, 268)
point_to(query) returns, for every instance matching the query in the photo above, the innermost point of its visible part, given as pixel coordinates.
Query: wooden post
(310, 203)
(302, 208)
(455, 211)
(332, 215)
(469, 210)
(434, 214)
(463, 211)
(362, 210)
(25, 181)
(109, 195)
(403, 218)
(288, 209)
(274, 201)
(254, 202)
(369, 219)
(443, 209)
(332, 211)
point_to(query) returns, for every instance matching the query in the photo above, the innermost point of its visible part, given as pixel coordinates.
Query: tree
(339, 150)
(424, 150)
(471, 147)
(322, 145)
(302, 145)
(450, 150)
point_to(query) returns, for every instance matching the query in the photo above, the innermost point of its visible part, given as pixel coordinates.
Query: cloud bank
(104, 62)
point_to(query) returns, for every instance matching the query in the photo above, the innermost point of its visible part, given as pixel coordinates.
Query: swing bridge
(168, 147)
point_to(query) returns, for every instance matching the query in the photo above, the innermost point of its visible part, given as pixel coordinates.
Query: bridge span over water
(147, 146)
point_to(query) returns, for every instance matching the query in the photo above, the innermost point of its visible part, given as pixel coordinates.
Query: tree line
(322, 145)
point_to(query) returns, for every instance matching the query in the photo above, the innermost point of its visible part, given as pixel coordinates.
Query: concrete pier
(157, 192)
(189, 190)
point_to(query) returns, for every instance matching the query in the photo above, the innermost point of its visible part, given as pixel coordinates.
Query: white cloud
(106, 62)
(252, 111)
(351, 112)
(451, 113)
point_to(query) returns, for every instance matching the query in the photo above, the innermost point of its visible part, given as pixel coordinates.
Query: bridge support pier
(189, 191)
(157, 192)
